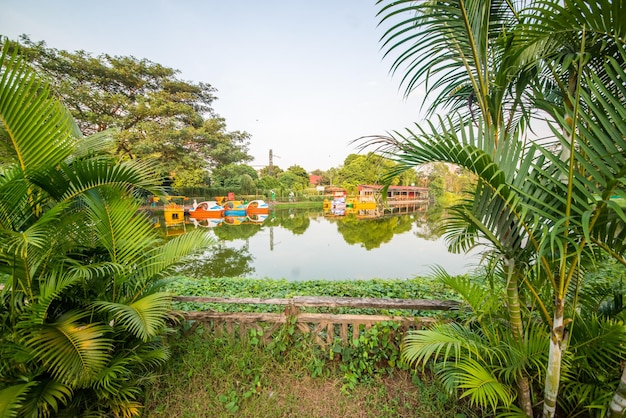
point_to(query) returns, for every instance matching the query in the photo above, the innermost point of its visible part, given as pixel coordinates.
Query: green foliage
(417, 288)
(81, 315)
(157, 115)
(362, 169)
(232, 376)
(375, 352)
(546, 217)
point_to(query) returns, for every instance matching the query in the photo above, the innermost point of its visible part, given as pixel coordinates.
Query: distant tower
(270, 168)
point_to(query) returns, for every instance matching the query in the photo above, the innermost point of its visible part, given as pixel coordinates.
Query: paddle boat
(174, 210)
(235, 208)
(206, 209)
(359, 204)
(257, 207)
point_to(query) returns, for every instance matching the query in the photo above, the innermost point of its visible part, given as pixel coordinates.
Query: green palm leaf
(447, 342)
(41, 131)
(118, 227)
(599, 342)
(144, 318)
(479, 383)
(157, 262)
(459, 50)
(70, 180)
(69, 348)
(11, 399)
(480, 300)
(46, 398)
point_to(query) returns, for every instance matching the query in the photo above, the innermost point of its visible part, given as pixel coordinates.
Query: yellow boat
(174, 210)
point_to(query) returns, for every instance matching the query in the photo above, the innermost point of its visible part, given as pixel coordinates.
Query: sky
(303, 77)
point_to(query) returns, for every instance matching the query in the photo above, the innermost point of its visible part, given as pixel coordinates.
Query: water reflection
(303, 244)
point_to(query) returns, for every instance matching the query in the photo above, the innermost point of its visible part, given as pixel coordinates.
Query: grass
(224, 376)
(305, 204)
(211, 376)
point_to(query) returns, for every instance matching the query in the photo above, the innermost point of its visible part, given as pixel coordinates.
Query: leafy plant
(82, 314)
(546, 211)
(375, 352)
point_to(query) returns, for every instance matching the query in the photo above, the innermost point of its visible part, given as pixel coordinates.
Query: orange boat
(206, 209)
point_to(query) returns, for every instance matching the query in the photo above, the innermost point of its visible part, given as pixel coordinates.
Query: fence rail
(324, 328)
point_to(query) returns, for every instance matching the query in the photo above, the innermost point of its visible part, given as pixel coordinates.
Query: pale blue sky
(304, 78)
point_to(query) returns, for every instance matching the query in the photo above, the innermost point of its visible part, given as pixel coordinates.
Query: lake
(305, 244)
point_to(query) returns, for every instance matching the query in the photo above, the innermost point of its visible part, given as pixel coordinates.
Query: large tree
(363, 169)
(157, 114)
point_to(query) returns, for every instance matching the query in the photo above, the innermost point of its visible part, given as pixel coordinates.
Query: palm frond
(144, 317)
(12, 397)
(599, 342)
(158, 262)
(443, 342)
(460, 52)
(529, 356)
(478, 383)
(46, 398)
(480, 300)
(69, 348)
(118, 227)
(41, 130)
(71, 180)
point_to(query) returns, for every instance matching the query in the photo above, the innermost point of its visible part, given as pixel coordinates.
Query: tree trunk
(553, 373)
(618, 403)
(517, 328)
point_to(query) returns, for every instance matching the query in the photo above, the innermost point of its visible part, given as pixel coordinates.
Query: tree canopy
(156, 114)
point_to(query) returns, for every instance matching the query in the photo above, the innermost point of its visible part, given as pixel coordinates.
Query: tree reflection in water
(301, 244)
(219, 261)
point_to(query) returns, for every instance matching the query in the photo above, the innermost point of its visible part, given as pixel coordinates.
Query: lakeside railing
(324, 328)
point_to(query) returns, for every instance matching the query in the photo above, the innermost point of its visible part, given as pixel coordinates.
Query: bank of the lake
(221, 376)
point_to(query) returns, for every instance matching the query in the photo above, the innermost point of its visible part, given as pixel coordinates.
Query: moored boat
(258, 207)
(174, 210)
(360, 204)
(234, 208)
(206, 209)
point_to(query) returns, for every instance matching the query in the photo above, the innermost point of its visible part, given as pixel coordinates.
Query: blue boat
(235, 208)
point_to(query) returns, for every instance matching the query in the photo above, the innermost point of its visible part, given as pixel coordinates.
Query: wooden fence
(322, 327)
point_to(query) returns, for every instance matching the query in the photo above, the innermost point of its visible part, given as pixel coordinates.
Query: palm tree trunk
(618, 403)
(517, 328)
(553, 373)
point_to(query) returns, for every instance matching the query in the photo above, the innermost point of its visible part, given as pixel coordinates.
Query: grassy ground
(227, 377)
(300, 205)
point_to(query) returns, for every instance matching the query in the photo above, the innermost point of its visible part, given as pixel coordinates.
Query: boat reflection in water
(206, 223)
(227, 220)
(398, 242)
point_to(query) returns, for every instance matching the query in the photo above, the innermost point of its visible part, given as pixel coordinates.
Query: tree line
(152, 114)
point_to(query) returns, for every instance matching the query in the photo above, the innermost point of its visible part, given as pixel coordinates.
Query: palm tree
(83, 319)
(581, 43)
(461, 51)
(523, 193)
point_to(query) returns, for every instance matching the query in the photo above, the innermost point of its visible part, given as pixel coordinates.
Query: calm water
(305, 245)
